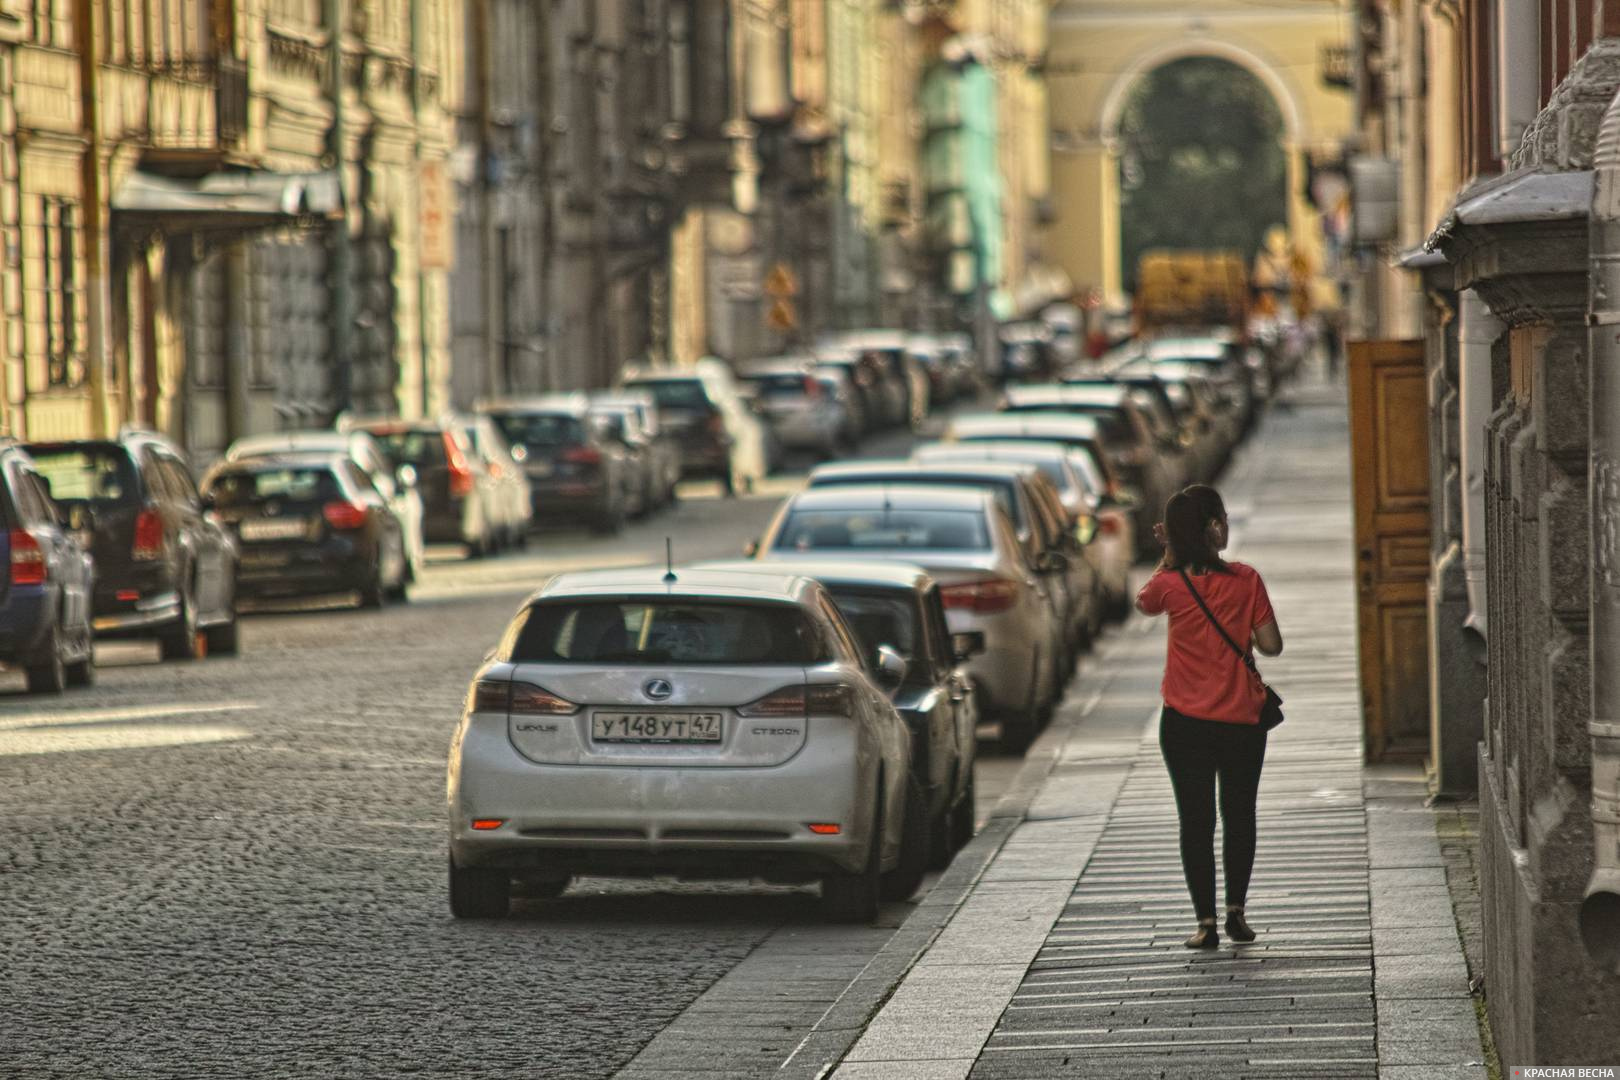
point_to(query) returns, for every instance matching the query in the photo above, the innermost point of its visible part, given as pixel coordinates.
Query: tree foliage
(1202, 163)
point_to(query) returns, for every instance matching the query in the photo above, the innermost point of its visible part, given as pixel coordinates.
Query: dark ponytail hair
(1187, 518)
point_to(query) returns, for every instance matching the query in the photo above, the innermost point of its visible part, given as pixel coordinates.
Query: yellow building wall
(1099, 49)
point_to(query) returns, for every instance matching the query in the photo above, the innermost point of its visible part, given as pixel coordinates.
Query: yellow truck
(1191, 289)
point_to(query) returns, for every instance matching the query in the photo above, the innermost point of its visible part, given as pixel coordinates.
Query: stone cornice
(1527, 271)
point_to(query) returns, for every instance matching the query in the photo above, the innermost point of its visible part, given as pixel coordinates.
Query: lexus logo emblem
(657, 689)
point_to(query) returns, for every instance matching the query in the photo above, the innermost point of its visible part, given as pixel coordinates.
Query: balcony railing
(178, 103)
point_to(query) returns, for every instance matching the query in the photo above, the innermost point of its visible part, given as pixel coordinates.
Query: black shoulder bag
(1271, 713)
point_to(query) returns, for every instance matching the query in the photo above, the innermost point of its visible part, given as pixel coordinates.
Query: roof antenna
(669, 562)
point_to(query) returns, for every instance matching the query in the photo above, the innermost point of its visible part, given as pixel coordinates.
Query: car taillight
(812, 387)
(148, 536)
(461, 476)
(986, 597)
(344, 516)
(519, 699)
(582, 455)
(1108, 526)
(27, 559)
(828, 699)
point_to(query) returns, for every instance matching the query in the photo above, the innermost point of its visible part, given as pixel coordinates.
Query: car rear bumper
(702, 457)
(333, 566)
(635, 821)
(132, 618)
(1005, 671)
(800, 431)
(555, 500)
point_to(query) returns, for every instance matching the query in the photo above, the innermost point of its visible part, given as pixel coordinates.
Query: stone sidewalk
(1053, 946)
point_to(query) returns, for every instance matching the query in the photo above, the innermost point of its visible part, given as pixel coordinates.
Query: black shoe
(1205, 938)
(1238, 928)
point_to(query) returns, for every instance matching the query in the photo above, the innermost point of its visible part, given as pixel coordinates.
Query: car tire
(182, 641)
(479, 893)
(82, 672)
(224, 639)
(1019, 728)
(373, 594)
(962, 818)
(904, 880)
(942, 835)
(855, 898)
(609, 522)
(49, 675)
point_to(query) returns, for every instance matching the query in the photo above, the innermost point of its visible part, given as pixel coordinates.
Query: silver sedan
(708, 726)
(966, 542)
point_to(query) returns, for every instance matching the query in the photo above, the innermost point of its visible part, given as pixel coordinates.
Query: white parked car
(397, 487)
(965, 540)
(707, 725)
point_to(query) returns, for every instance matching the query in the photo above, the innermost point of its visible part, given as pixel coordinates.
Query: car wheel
(49, 676)
(479, 893)
(1019, 728)
(854, 898)
(401, 590)
(904, 880)
(224, 640)
(962, 815)
(942, 835)
(610, 522)
(82, 672)
(182, 641)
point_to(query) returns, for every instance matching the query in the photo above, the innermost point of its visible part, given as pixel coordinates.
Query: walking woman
(1209, 729)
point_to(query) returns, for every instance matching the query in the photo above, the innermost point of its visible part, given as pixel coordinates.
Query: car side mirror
(406, 475)
(1051, 562)
(967, 644)
(751, 549)
(891, 667)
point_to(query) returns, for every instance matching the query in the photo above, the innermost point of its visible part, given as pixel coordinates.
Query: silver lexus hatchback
(703, 725)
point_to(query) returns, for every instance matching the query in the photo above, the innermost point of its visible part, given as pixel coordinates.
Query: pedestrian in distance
(1209, 730)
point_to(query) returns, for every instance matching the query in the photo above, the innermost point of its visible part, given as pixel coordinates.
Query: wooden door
(1389, 436)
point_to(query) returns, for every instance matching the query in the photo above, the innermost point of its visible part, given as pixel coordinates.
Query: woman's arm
(1268, 639)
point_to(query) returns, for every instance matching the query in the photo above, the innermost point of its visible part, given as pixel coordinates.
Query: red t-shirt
(1203, 677)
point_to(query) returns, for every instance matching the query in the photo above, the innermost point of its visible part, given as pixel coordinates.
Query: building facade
(1491, 141)
(201, 236)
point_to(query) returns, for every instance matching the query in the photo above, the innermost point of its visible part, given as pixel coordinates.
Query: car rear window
(1002, 490)
(412, 446)
(880, 620)
(683, 394)
(666, 632)
(94, 474)
(778, 386)
(898, 529)
(540, 429)
(233, 489)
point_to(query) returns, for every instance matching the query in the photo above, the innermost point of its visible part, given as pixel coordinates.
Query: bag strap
(1243, 654)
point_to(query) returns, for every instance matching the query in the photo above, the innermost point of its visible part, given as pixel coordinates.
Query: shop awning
(249, 199)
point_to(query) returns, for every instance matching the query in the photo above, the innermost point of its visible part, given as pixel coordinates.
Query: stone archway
(1099, 54)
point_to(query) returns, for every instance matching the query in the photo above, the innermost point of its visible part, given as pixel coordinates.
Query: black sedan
(897, 606)
(309, 525)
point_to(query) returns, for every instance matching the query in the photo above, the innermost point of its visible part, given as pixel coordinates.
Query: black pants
(1196, 752)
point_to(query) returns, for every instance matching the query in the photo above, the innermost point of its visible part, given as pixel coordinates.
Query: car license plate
(656, 727)
(264, 560)
(274, 528)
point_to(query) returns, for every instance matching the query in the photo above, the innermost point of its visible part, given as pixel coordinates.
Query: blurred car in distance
(720, 437)
(45, 597)
(460, 500)
(165, 568)
(576, 470)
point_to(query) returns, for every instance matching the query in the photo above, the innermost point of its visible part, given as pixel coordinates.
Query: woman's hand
(1160, 534)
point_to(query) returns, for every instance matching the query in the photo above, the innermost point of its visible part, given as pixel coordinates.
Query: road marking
(116, 737)
(39, 718)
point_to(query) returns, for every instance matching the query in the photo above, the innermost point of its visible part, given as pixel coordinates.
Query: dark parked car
(639, 424)
(45, 596)
(461, 501)
(578, 472)
(899, 606)
(165, 568)
(310, 525)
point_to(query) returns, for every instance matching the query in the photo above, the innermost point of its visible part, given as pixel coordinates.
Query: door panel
(1390, 450)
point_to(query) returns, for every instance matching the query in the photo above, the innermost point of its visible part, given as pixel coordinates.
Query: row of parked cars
(809, 713)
